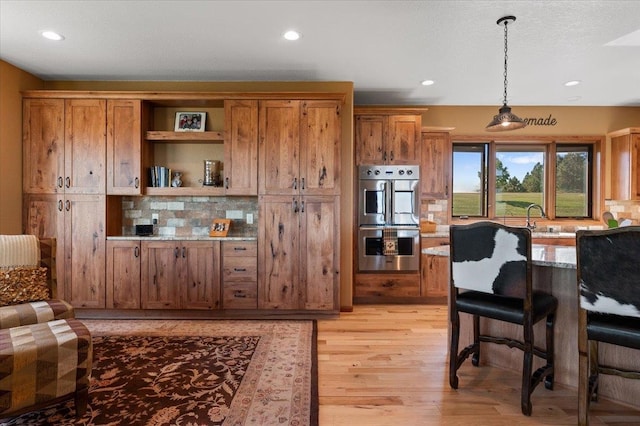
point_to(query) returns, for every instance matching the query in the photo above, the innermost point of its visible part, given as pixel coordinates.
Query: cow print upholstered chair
(609, 291)
(491, 277)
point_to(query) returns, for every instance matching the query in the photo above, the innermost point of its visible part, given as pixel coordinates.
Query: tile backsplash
(188, 216)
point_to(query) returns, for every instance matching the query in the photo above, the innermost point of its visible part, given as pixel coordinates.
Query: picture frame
(190, 121)
(220, 227)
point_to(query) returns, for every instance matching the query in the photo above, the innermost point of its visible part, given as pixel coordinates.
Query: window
(469, 180)
(573, 181)
(500, 179)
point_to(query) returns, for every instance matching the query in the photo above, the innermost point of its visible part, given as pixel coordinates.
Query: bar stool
(491, 277)
(608, 275)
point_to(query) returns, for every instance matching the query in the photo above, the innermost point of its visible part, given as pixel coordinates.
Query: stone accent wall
(189, 216)
(438, 208)
(624, 210)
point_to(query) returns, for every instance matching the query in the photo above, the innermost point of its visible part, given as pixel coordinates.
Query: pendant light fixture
(505, 120)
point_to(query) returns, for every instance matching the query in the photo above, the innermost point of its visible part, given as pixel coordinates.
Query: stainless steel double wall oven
(388, 218)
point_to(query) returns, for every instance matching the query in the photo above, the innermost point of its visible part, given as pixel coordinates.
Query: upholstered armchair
(45, 353)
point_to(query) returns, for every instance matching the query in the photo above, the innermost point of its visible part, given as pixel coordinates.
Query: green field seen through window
(515, 204)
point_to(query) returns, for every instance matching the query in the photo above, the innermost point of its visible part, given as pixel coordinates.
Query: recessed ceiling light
(52, 35)
(572, 83)
(427, 82)
(292, 35)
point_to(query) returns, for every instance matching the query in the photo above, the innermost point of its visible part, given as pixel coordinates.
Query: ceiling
(386, 48)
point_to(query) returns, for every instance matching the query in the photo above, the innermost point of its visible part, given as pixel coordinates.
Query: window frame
(549, 145)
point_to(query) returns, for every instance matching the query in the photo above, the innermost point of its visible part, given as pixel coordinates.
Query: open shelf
(209, 191)
(157, 135)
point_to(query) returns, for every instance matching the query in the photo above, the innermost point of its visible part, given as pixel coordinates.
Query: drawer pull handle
(240, 269)
(239, 295)
(239, 248)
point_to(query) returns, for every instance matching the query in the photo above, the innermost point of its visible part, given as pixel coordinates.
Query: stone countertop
(230, 237)
(445, 234)
(542, 255)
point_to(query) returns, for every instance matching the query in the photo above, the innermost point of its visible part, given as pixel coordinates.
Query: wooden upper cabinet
(625, 164)
(85, 146)
(435, 166)
(320, 138)
(370, 133)
(403, 144)
(124, 147)
(387, 136)
(241, 147)
(43, 146)
(279, 149)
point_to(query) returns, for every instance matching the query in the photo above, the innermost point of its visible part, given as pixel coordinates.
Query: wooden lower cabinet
(434, 270)
(78, 224)
(180, 275)
(298, 253)
(123, 274)
(387, 285)
(239, 275)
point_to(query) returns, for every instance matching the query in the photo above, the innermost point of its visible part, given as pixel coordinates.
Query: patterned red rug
(266, 374)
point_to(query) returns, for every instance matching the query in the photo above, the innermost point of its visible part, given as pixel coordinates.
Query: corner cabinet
(625, 164)
(387, 135)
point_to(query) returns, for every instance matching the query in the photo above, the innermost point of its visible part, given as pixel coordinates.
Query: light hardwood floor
(387, 365)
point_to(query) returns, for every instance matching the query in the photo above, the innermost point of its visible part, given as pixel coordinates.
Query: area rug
(236, 373)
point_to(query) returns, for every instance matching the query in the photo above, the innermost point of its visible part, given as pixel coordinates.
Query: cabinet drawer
(239, 269)
(387, 285)
(240, 295)
(239, 248)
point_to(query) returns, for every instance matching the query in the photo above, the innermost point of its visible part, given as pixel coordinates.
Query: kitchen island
(554, 271)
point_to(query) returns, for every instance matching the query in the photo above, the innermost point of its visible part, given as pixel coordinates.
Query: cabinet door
(84, 250)
(161, 274)
(434, 270)
(278, 248)
(403, 144)
(635, 166)
(43, 146)
(123, 274)
(319, 252)
(43, 216)
(320, 140)
(434, 167)
(85, 146)
(279, 155)
(124, 147)
(201, 289)
(241, 147)
(370, 133)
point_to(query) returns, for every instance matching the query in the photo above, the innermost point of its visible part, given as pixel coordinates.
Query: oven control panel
(391, 172)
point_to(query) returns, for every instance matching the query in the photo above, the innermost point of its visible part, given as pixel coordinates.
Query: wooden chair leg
(475, 359)
(453, 349)
(594, 372)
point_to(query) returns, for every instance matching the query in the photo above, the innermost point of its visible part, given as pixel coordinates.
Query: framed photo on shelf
(190, 121)
(220, 227)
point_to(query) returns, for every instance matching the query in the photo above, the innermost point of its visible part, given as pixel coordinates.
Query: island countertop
(541, 255)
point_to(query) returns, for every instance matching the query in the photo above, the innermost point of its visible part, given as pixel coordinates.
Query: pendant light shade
(505, 120)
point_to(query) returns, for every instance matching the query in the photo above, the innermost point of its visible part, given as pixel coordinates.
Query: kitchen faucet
(542, 214)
